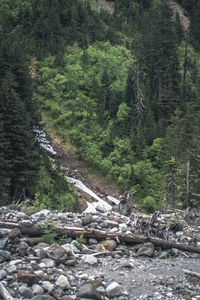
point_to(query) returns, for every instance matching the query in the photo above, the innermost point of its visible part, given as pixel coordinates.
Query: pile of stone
(52, 267)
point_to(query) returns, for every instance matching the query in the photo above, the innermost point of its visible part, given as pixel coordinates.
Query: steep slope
(177, 8)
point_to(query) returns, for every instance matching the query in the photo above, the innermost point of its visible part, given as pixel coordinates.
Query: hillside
(125, 97)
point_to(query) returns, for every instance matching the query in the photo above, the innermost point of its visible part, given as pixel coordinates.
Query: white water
(101, 204)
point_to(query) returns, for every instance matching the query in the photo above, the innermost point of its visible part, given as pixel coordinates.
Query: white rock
(68, 249)
(84, 276)
(37, 289)
(16, 262)
(113, 290)
(48, 263)
(113, 200)
(43, 212)
(63, 282)
(90, 259)
(47, 286)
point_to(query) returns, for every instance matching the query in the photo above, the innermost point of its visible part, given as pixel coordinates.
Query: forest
(123, 88)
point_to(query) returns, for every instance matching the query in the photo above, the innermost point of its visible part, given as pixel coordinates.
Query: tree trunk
(185, 67)
(37, 230)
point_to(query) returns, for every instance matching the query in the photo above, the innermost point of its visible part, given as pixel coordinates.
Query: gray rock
(174, 252)
(63, 282)
(42, 297)
(5, 254)
(68, 249)
(3, 242)
(37, 289)
(25, 292)
(89, 291)
(126, 264)
(86, 220)
(109, 244)
(90, 259)
(113, 290)
(21, 249)
(12, 269)
(147, 249)
(92, 241)
(41, 253)
(48, 263)
(197, 237)
(57, 253)
(163, 255)
(2, 274)
(14, 233)
(47, 286)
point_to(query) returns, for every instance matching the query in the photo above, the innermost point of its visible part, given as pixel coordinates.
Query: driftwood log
(4, 293)
(37, 230)
(195, 274)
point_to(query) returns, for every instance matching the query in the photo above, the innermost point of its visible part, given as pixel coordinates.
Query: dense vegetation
(123, 88)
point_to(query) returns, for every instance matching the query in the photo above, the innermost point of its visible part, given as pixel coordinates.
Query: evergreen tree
(17, 124)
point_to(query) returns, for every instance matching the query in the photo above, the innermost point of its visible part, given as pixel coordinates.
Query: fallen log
(4, 293)
(37, 230)
(127, 238)
(8, 225)
(195, 274)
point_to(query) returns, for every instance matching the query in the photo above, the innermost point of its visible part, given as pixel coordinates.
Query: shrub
(149, 204)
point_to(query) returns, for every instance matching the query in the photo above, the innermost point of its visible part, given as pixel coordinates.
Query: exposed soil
(78, 168)
(177, 8)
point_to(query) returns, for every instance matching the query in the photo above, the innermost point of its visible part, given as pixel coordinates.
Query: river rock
(113, 290)
(5, 254)
(28, 277)
(90, 259)
(47, 263)
(63, 282)
(25, 292)
(109, 244)
(126, 264)
(37, 289)
(47, 286)
(21, 249)
(14, 233)
(86, 220)
(147, 249)
(57, 253)
(68, 249)
(42, 297)
(2, 274)
(3, 242)
(92, 241)
(89, 291)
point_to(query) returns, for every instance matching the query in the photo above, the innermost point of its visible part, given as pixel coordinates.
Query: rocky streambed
(37, 263)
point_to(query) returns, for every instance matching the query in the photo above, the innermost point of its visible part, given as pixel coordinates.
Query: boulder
(146, 249)
(89, 291)
(109, 244)
(113, 290)
(90, 259)
(57, 253)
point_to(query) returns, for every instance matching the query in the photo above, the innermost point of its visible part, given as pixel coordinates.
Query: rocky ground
(53, 267)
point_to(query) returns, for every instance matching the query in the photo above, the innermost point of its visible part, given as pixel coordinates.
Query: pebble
(64, 272)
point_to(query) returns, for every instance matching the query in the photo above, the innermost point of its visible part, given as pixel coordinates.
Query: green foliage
(149, 204)
(80, 241)
(111, 86)
(50, 236)
(52, 189)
